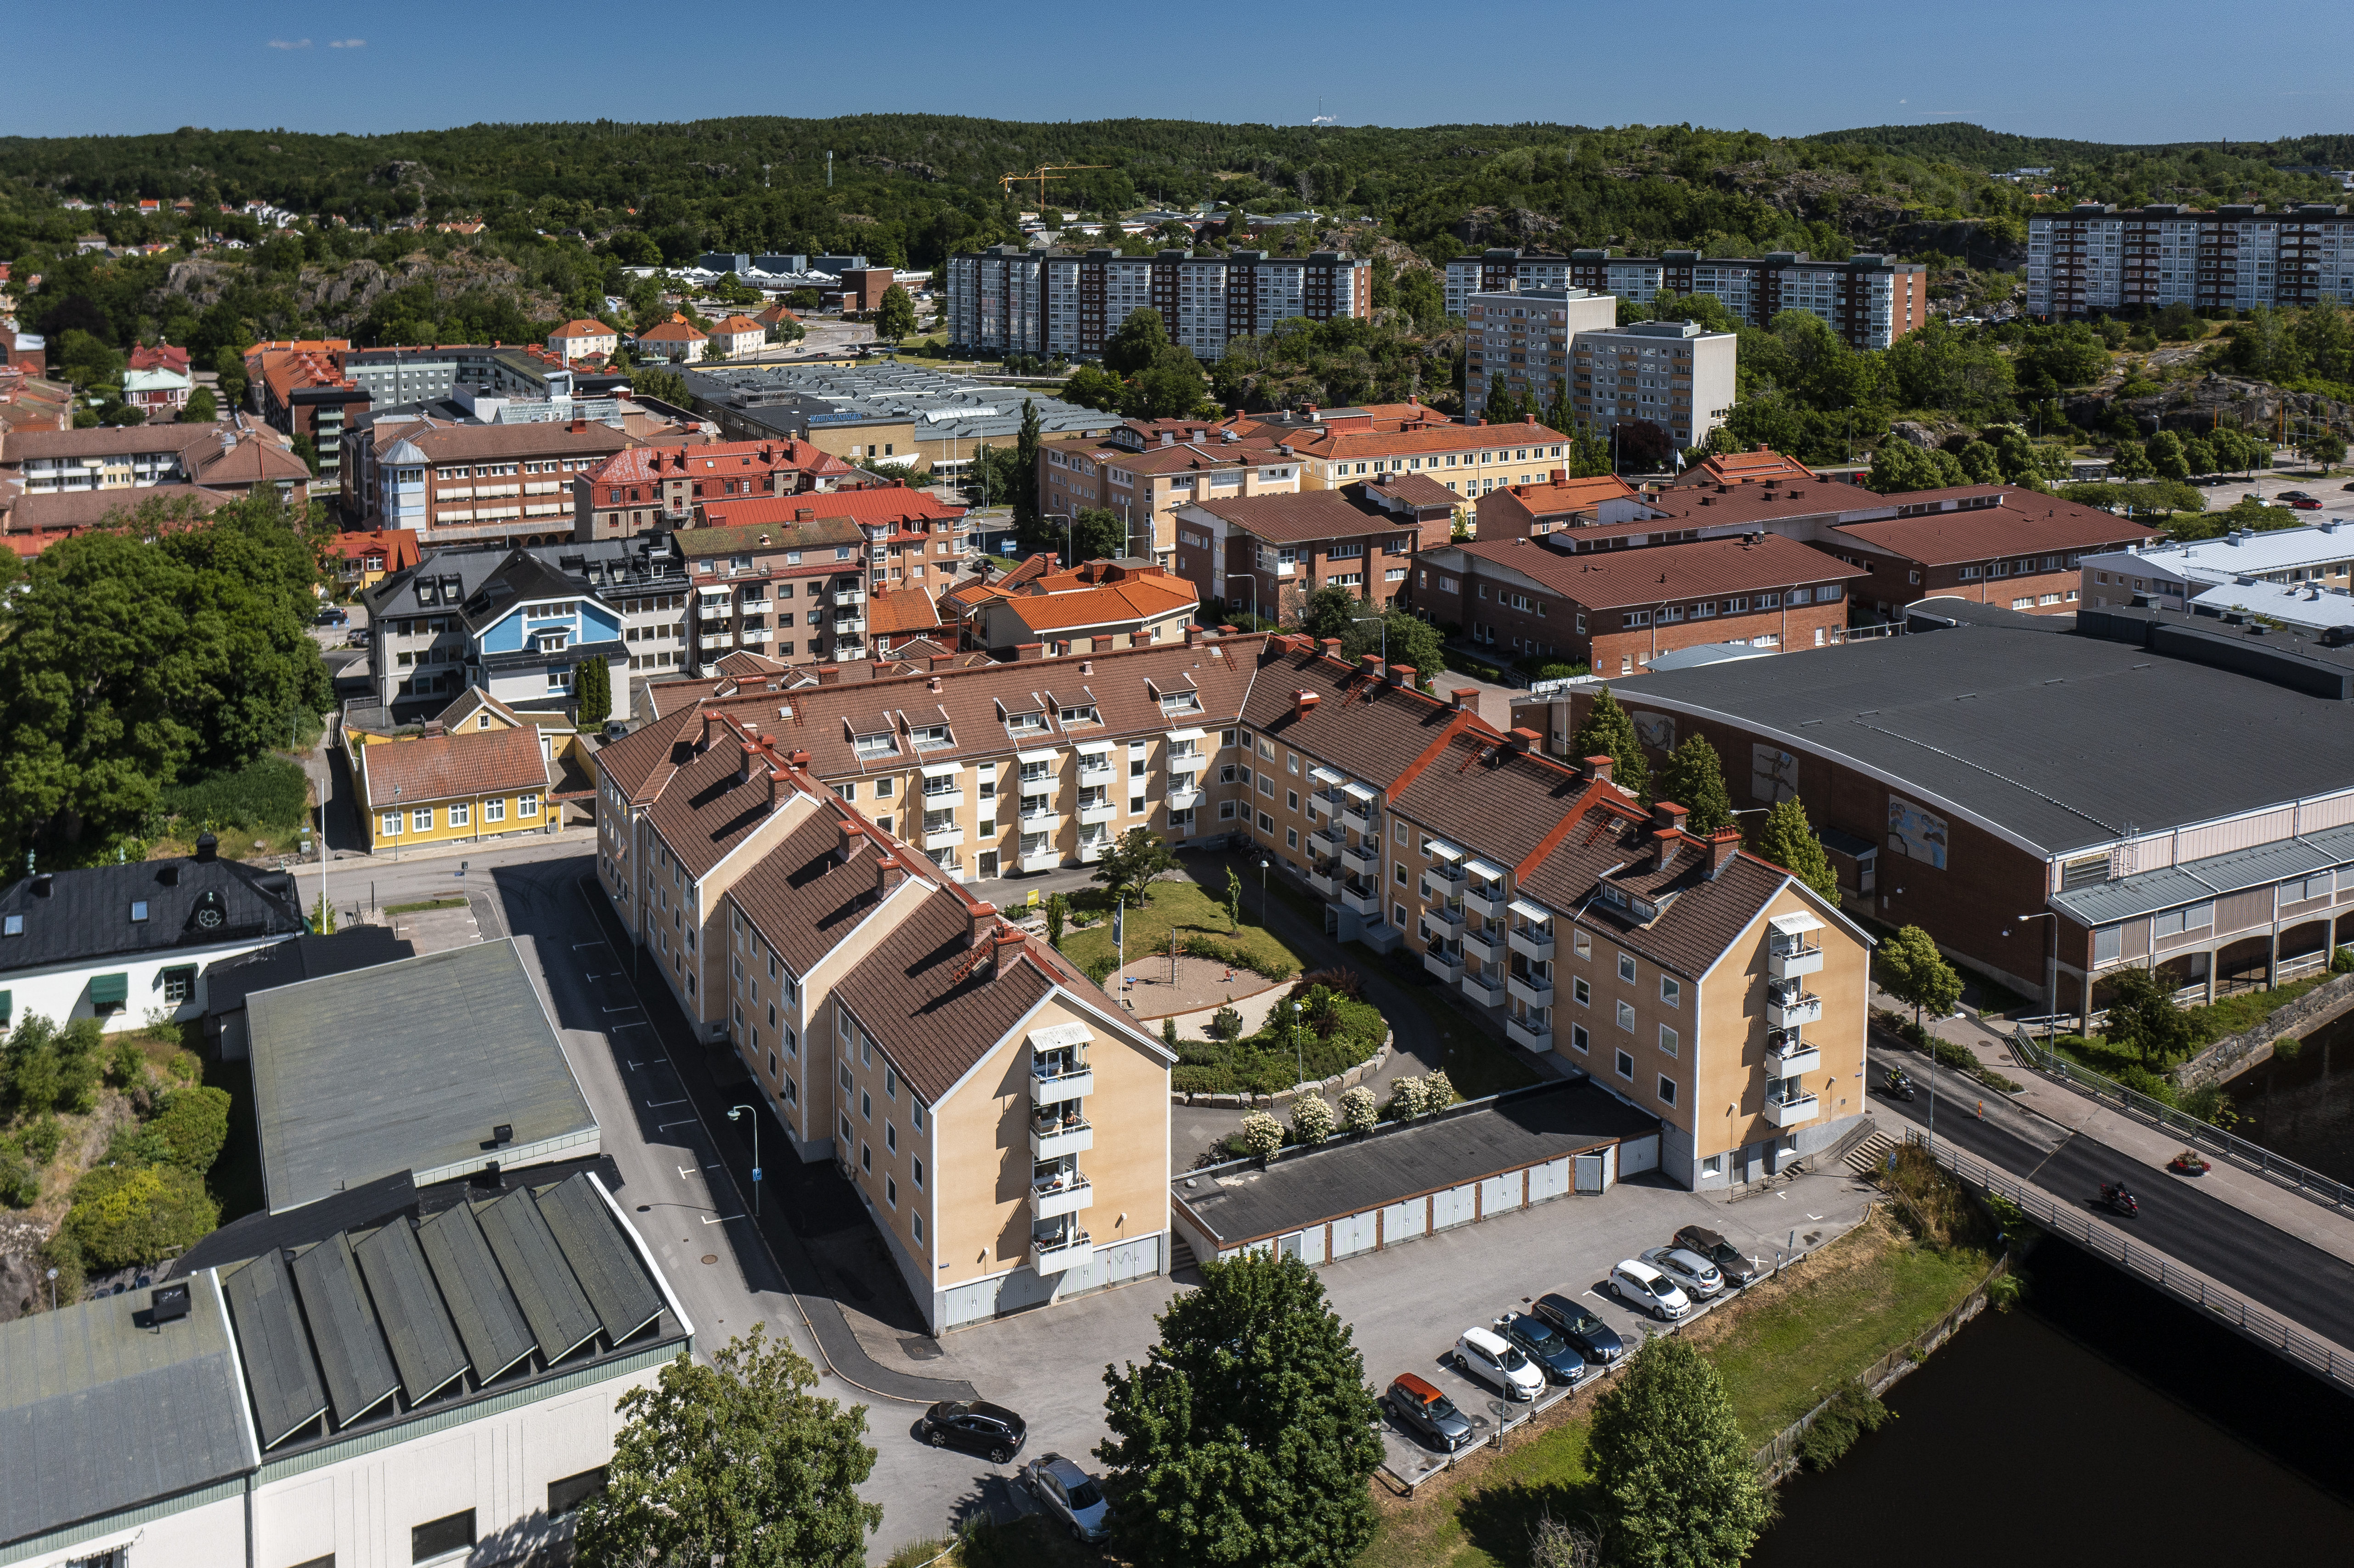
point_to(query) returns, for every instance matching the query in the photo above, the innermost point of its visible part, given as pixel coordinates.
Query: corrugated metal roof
(288, 1394)
(351, 1349)
(99, 1414)
(2195, 882)
(426, 1349)
(552, 1300)
(623, 1299)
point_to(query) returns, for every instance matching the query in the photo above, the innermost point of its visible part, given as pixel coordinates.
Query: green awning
(110, 990)
(8, 1006)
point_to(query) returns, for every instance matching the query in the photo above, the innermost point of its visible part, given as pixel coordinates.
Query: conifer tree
(1609, 732)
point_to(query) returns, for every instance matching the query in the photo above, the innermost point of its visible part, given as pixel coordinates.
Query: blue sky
(2152, 70)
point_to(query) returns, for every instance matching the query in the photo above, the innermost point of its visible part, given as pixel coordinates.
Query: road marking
(665, 1126)
(577, 945)
(657, 1104)
(633, 1008)
(635, 1065)
(683, 1172)
(723, 1219)
(1814, 1217)
(630, 1024)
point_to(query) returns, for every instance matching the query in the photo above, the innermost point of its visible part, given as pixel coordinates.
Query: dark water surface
(2099, 1423)
(2303, 1107)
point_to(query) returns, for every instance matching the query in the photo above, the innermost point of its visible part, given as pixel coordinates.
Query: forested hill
(2200, 173)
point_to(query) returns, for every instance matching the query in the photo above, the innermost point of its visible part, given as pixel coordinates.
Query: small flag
(1118, 925)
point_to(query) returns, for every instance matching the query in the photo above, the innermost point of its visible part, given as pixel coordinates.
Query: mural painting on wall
(1773, 773)
(1916, 830)
(1656, 731)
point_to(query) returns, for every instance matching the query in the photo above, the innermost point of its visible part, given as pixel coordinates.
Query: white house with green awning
(133, 943)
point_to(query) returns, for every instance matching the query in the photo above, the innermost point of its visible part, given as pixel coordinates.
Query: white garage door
(1500, 1194)
(1353, 1235)
(1639, 1154)
(1307, 1246)
(1130, 1260)
(1548, 1181)
(1403, 1221)
(973, 1303)
(1455, 1206)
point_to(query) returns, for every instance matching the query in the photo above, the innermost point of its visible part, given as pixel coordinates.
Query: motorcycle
(1899, 1087)
(2116, 1197)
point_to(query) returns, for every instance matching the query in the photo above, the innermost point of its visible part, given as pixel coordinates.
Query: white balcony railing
(1793, 961)
(1041, 860)
(1052, 1200)
(1488, 947)
(1484, 988)
(1534, 943)
(1793, 1060)
(943, 838)
(1789, 1110)
(1064, 1250)
(1795, 1010)
(1446, 967)
(1528, 988)
(1053, 1138)
(1364, 900)
(1056, 1086)
(1528, 1032)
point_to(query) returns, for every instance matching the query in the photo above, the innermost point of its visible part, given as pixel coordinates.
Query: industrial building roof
(2244, 553)
(409, 1066)
(2056, 741)
(795, 398)
(1239, 1203)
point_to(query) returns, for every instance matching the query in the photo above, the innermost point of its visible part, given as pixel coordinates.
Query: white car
(1697, 1275)
(1640, 1286)
(1484, 1354)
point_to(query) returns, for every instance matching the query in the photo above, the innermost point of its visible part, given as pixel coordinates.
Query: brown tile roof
(974, 699)
(671, 331)
(1703, 505)
(741, 663)
(398, 544)
(1415, 490)
(583, 328)
(1323, 444)
(1697, 924)
(707, 803)
(821, 532)
(803, 894)
(1186, 457)
(737, 324)
(476, 443)
(1367, 728)
(454, 766)
(71, 508)
(1764, 464)
(251, 462)
(1489, 799)
(23, 446)
(891, 611)
(888, 504)
(1310, 514)
(2023, 525)
(1029, 570)
(1700, 568)
(640, 465)
(1134, 599)
(1549, 500)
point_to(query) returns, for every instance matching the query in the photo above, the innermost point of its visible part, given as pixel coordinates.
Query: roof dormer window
(138, 910)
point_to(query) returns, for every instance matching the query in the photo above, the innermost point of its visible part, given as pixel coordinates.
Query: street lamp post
(735, 1115)
(1299, 1056)
(2051, 970)
(400, 824)
(1263, 864)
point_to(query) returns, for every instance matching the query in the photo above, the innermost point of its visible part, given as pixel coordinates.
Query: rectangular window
(1666, 1090)
(891, 1138)
(866, 1157)
(1626, 1016)
(865, 1106)
(526, 805)
(461, 814)
(389, 824)
(422, 819)
(443, 1537)
(1627, 967)
(1671, 991)
(1625, 1065)
(1577, 1039)
(1581, 991)
(1668, 1040)
(569, 1493)
(494, 810)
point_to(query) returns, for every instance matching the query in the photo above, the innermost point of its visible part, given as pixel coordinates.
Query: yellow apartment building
(444, 787)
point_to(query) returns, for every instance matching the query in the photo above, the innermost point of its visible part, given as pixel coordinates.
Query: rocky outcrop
(1514, 226)
(2189, 407)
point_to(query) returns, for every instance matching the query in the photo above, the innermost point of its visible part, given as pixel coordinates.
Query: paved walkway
(1202, 986)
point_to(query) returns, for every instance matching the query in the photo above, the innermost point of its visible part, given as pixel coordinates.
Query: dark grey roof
(85, 916)
(408, 1066)
(482, 1309)
(2060, 741)
(425, 1345)
(308, 956)
(623, 1299)
(1550, 1121)
(99, 1413)
(287, 1394)
(2197, 881)
(544, 1286)
(352, 1353)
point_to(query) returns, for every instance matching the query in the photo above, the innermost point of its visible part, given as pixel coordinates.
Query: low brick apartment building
(1616, 612)
(509, 484)
(1146, 484)
(1558, 502)
(1094, 607)
(2017, 549)
(1343, 445)
(661, 486)
(913, 540)
(1268, 554)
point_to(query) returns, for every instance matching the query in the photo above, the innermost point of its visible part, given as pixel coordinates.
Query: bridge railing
(2226, 1305)
(2255, 1157)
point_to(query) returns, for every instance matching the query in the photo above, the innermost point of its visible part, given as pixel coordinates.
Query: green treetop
(1675, 1481)
(1787, 841)
(1693, 779)
(1609, 732)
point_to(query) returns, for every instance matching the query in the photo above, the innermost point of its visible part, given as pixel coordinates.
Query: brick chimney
(1723, 845)
(433, 730)
(1599, 767)
(848, 837)
(1303, 704)
(710, 722)
(977, 918)
(1402, 675)
(1193, 634)
(1522, 739)
(799, 760)
(1559, 476)
(829, 675)
(1001, 948)
(1029, 652)
(1229, 630)
(1667, 833)
(888, 875)
(1466, 698)
(1369, 664)
(1331, 647)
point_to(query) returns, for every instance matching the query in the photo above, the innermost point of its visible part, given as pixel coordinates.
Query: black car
(976, 1427)
(1595, 1340)
(331, 616)
(1728, 1260)
(1560, 1361)
(1427, 1413)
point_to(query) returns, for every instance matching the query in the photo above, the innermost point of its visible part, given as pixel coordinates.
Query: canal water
(2303, 1107)
(2100, 1422)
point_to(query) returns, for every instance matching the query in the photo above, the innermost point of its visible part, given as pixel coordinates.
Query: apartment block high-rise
(2095, 257)
(1869, 298)
(1533, 342)
(1007, 300)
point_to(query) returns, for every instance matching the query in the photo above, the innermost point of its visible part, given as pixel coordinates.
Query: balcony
(1533, 943)
(1365, 860)
(1326, 883)
(1791, 1057)
(1485, 988)
(1094, 770)
(1184, 800)
(1050, 1201)
(1065, 1249)
(1357, 813)
(1327, 801)
(1441, 914)
(1447, 875)
(1327, 843)
(849, 625)
(1488, 947)
(1040, 818)
(1793, 961)
(1798, 1009)
(1053, 1137)
(943, 838)
(850, 596)
(1092, 851)
(1041, 860)
(1789, 1110)
(1365, 901)
(1529, 988)
(1529, 1033)
(1096, 811)
(1446, 967)
(1051, 1083)
(1485, 899)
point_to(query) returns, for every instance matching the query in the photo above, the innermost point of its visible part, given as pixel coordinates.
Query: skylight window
(1026, 724)
(931, 738)
(138, 910)
(1079, 715)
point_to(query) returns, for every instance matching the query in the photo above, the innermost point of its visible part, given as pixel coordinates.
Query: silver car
(1070, 1494)
(1700, 1277)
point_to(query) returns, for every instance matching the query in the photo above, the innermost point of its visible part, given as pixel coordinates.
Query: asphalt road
(2268, 1266)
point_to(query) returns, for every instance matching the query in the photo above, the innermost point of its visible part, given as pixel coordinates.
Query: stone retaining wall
(2236, 1053)
(1332, 1086)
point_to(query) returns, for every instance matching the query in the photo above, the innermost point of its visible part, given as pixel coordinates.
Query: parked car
(1728, 1260)
(2305, 503)
(975, 1426)
(330, 616)
(616, 728)
(1554, 1356)
(1698, 1279)
(1429, 1413)
(2296, 495)
(358, 639)
(1645, 1288)
(1069, 1493)
(1595, 1339)
(1482, 1353)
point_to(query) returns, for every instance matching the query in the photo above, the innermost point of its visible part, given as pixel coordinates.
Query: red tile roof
(640, 465)
(1701, 569)
(1549, 500)
(2025, 524)
(162, 357)
(1762, 465)
(1132, 600)
(1415, 490)
(583, 328)
(1309, 514)
(892, 611)
(399, 547)
(453, 767)
(737, 324)
(1323, 444)
(885, 504)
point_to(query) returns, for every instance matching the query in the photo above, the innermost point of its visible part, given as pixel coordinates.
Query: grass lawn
(423, 905)
(1178, 904)
(1779, 1348)
(2228, 1016)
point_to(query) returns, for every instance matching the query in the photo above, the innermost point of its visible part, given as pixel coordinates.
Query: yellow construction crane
(1042, 173)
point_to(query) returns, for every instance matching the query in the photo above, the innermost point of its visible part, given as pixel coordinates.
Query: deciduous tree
(1247, 1437)
(200, 408)
(1676, 1483)
(1134, 862)
(737, 1461)
(1914, 972)
(2144, 1017)
(894, 317)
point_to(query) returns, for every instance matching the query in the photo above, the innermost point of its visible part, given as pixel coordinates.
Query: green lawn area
(1179, 904)
(1779, 1348)
(423, 905)
(2228, 1016)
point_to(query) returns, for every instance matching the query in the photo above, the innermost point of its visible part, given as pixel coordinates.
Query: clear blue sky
(2151, 70)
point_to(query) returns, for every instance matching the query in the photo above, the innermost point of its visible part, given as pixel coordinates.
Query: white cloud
(290, 43)
(348, 43)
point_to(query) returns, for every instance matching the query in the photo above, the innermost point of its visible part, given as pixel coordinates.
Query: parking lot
(1404, 1307)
